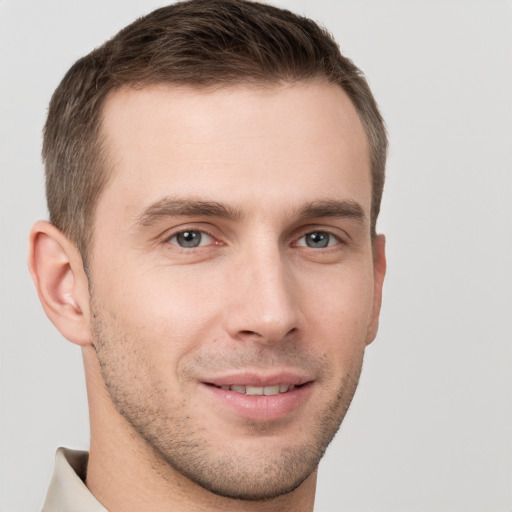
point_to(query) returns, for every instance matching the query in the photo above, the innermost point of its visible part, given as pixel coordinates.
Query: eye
(191, 238)
(318, 240)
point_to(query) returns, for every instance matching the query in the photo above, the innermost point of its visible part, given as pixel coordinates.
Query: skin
(159, 322)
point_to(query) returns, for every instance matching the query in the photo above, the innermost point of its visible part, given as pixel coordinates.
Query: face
(233, 282)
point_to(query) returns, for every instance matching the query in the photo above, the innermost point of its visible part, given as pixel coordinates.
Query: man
(214, 175)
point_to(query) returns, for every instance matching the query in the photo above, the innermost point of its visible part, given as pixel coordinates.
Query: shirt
(67, 491)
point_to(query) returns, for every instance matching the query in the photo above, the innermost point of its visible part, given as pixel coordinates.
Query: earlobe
(379, 272)
(58, 274)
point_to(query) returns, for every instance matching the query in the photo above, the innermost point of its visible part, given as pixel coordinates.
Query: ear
(379, 271)
(58, 274)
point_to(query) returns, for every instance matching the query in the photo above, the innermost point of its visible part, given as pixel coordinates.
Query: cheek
(340, 311)
(168, 308)
(176, 310)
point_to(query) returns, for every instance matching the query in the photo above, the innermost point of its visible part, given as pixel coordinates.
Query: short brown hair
(203, 43)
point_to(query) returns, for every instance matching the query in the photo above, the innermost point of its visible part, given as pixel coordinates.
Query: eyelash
(330, 237)
(201, 232)
(173, 239)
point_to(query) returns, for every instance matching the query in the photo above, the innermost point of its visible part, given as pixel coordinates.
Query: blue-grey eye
(318, 240)
(190, 239)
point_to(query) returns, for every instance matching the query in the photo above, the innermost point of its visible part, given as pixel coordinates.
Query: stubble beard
(190, 449)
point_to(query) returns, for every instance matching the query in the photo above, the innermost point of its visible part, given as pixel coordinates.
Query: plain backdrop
(430, 425)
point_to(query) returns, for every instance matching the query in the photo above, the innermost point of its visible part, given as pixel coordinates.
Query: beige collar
(67, 491)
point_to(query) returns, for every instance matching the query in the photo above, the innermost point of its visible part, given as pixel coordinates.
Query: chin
(246, 479)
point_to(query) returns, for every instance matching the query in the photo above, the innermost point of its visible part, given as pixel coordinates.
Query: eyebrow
(333, 208)
(175, 207)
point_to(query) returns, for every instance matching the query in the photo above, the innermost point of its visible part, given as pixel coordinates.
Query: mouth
(260, 398)
(277, 389)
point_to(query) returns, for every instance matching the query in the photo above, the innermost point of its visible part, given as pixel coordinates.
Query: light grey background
(430, 426)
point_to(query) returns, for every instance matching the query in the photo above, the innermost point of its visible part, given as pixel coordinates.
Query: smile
(259, 390)
(254, 399)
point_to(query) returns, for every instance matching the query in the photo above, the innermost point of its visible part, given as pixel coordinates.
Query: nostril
(251, 333)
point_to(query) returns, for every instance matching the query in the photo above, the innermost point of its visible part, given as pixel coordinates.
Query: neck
(125, 474)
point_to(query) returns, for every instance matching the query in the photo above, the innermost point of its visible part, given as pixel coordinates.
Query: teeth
(260, 390)
(253, 390)
(271, 390)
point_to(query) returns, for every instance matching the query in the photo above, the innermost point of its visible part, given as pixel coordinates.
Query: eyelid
(174, 232)
(202, 242)
(338, 240)
(341, 235)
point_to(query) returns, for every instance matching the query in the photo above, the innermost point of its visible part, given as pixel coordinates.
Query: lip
(257, 379)
(261, 408)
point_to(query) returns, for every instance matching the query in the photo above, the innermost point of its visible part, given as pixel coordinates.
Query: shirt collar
(67, 491)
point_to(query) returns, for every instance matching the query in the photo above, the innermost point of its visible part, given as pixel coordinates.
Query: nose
(264, 304)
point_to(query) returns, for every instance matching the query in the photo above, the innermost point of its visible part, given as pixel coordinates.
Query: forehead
(254, 146)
